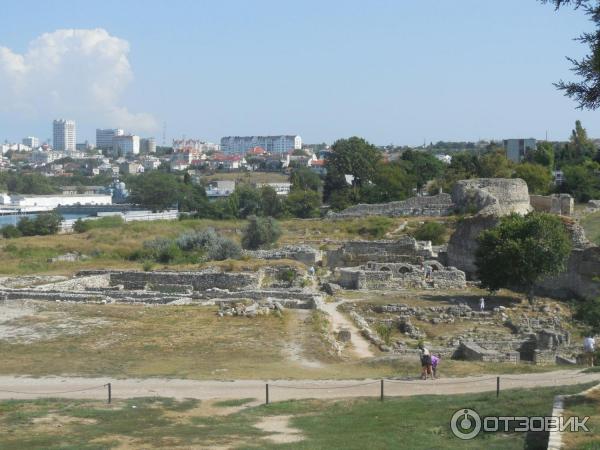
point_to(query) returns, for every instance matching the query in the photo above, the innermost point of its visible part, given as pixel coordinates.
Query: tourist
(435, 359)
(425, 356)
(482, 304)
(428, 272)
(589, 346)
(311, 271)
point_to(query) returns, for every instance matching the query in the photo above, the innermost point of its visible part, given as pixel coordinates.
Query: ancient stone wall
(491, 196)
(435, 205)
(303, 253)
(405, 249)
(562, 204)
(200, 281)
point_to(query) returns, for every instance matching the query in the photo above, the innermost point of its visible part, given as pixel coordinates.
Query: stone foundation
(435, 205)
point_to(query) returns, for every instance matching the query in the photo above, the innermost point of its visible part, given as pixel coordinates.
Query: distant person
(311, 271)
(425, 356)
(482, 304)
(589, 347)
(435, 359)
(428, 272)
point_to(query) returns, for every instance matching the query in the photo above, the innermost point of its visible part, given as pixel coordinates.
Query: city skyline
(401, 74)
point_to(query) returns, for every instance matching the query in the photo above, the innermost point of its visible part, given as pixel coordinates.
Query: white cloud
(78, 74)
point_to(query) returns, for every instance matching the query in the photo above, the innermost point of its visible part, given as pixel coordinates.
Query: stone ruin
(378, 275)
(405, 249)
(491, 199)
(302, 253)
(561, 204)
(435, 205)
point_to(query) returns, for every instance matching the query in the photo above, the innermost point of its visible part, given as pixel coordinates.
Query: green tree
(521, 250)
(431, 231)
(271, 203)
(155, 190)
(538, 178)
(302, 178)
(495, 164)
(391, 182)
(246, 201)
(586, 92)
(542, 155)
(303, 204)
(422, 166)
(259, 232)
(353, 156)
(581, 181)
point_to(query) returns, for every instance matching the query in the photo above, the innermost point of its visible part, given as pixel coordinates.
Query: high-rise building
(104, 138)
(31, 141)
(147, 145)
(64, 135)
(516, 149)
(272, 144)
(124, 145)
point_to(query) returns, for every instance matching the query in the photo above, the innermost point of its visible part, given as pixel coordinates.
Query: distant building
(280, 188)
(64, 135)
(516, 149)
(147, 145)
(41, 157)
(446, 159)
(47, 202)
(220, 189)
(131, 168)
(31, 141)
(194, 144)
(271, 144)
(104, 137)
(124, 145)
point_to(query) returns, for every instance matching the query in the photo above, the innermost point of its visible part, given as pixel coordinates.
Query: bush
(44, 224)
(431, 231)
(196, 240)
(162, 250)
(260, 231)
(384, 332)
(81, 226)
(10, 231)
(222, 249)
(588, 311)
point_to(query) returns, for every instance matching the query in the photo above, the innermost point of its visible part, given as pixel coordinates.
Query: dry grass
(581, 406)
(249, 177)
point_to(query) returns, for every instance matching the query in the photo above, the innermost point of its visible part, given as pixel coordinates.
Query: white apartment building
(195, 144)
(64, 135)
(41, 157)
(104, 137)
(272, 144)
(31, 141)
(48, 202)
(128, 144)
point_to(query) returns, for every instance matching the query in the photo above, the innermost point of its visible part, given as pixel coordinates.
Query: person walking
(589, 347)
(482, 304)
(425, 355)
(435, 359)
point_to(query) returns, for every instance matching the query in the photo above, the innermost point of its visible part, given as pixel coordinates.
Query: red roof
(257, 151)
(318, 162)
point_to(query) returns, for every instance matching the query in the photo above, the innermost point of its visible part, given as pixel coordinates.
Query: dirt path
(92, 388)
(338, 320)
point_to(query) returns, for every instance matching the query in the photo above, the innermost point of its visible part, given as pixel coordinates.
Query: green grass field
(412, 423)
(591, 224)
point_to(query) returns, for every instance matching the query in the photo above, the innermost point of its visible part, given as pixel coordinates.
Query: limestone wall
(491, 196)
(562, 204)
(435, 205)
(355, 253)
(200, 281)
(303, 253)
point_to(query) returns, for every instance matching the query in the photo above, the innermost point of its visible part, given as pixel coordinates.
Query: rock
(344, 335)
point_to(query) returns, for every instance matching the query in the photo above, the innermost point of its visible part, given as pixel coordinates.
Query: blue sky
(390, 71)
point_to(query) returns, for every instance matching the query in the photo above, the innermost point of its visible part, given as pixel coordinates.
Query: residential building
(148, 145)
(64, 135)
(31, 142)
(516, 149)
(220, 189)
(272, 144)
(41, 157)
(131, 168)
(150, 162)
(195, 144)
(104, 137)
(127, 144)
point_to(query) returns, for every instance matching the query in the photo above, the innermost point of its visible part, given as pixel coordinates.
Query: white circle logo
(465, 424)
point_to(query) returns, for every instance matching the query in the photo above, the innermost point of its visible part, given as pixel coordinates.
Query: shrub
(196, 240)
(260, 231)
(10, 231)
(431, 231)
(385, 332)
(287, 275)
(162, 250)
(222, 249)
(43, 225)
(81, 226)
(588, 311)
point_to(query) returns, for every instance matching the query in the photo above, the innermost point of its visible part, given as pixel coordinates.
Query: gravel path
(339, 321)
(93, 388)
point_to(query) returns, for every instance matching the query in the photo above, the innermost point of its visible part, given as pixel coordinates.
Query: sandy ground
(93, 388)
(339, 321)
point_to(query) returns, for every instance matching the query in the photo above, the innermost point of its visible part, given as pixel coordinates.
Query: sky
(391, 71)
